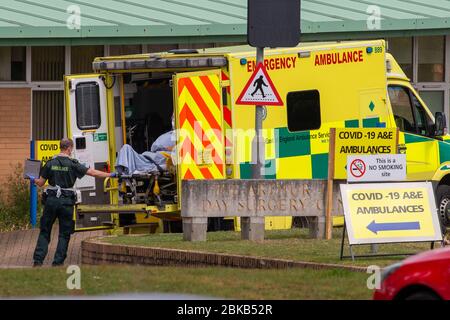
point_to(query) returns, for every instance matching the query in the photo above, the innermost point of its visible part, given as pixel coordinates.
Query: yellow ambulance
(131, 100)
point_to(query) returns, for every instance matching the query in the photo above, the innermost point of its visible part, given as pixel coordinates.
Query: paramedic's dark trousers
(61, 209)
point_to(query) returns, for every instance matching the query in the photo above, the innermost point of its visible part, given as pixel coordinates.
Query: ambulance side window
(303, 110)
(423, 121)
(87, 99)
(409, 114)
(401, 107)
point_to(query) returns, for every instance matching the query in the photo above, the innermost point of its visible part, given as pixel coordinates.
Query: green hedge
(15, 201)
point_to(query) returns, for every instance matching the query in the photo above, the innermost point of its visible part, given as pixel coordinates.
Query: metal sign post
(258, 160)
(271, 23)
(33, 191)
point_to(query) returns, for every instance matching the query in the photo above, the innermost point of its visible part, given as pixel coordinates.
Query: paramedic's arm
(99, 174)
(40, 182)
(43, 177)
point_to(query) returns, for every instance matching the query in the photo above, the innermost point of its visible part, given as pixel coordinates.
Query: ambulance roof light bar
(157, 63)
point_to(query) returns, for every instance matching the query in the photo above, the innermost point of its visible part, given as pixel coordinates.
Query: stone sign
(252, 200)
(247, 198)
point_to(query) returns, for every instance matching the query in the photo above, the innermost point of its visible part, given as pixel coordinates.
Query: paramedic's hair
(65, 144)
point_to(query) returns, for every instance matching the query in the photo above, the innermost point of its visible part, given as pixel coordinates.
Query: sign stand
(329, 199)
(374, 255)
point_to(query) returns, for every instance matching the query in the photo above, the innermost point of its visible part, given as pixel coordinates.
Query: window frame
(99, 107)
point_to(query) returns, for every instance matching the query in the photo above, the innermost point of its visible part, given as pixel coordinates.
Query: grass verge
(208, 282)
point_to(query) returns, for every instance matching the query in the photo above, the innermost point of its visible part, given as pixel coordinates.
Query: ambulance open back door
(199, 118)
(87, 125)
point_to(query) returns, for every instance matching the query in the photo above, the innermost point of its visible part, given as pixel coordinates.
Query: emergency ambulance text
(274, 64)
(339, 58)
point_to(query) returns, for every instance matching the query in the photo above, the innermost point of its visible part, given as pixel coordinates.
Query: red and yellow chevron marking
(201, 133)
(227, 116)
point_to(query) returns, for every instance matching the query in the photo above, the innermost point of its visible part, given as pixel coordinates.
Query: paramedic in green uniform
(61, 173)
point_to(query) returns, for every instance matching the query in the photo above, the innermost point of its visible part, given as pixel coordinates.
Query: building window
(160, 48)
(431, 57)
(48, 63)
(87, 99)
(402, 50)
(303, 110)
(125, 50)
(197, 46)
(48, 115)
(83, 56)
(13, 63)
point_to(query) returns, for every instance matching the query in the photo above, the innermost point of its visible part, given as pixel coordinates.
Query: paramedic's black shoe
(37, 264)
(56, 265)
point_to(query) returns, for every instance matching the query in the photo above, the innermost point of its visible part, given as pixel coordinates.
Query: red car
(425, 276)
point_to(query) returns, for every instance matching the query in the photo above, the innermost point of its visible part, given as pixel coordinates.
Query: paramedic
(61, 173)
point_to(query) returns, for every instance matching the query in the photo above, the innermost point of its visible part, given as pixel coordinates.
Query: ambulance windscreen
(88, 105)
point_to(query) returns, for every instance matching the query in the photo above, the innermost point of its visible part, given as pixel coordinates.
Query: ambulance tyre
(214, 224)
(220, 224)
(443, 202)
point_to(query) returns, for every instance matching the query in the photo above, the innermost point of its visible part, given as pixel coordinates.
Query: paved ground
(16, 248)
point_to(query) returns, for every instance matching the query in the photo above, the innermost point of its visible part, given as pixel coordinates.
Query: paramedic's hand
(114, 175)
(32, 179)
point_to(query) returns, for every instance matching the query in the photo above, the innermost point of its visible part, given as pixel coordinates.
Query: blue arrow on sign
(394, 226)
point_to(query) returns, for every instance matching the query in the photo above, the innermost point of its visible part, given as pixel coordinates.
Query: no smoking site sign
(378, 167)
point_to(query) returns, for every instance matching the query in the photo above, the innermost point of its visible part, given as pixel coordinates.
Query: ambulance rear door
(198, 108)
(87, 125)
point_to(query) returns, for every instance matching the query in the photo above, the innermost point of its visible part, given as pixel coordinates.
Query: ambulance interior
(148, 108)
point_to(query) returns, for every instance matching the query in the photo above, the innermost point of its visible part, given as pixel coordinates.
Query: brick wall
(15, 119)
(96, 252)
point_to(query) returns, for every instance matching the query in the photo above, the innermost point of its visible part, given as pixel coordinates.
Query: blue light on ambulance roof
(243, 62)
(369, 50)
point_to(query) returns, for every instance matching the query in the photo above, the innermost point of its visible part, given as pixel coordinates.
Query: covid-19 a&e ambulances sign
(46, 150)
(361, 141)
(387, 213)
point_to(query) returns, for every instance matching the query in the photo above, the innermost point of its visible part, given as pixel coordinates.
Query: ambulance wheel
(220, 224)
(300, 222)
(443, 201)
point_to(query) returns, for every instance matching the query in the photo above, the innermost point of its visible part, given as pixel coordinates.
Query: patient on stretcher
(156, 160)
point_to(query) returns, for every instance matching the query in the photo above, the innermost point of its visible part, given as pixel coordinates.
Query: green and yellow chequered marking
(301, 155)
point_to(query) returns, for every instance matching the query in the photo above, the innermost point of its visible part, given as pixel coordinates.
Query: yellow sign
(46, 150)
(361, 141)
(394, 212)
